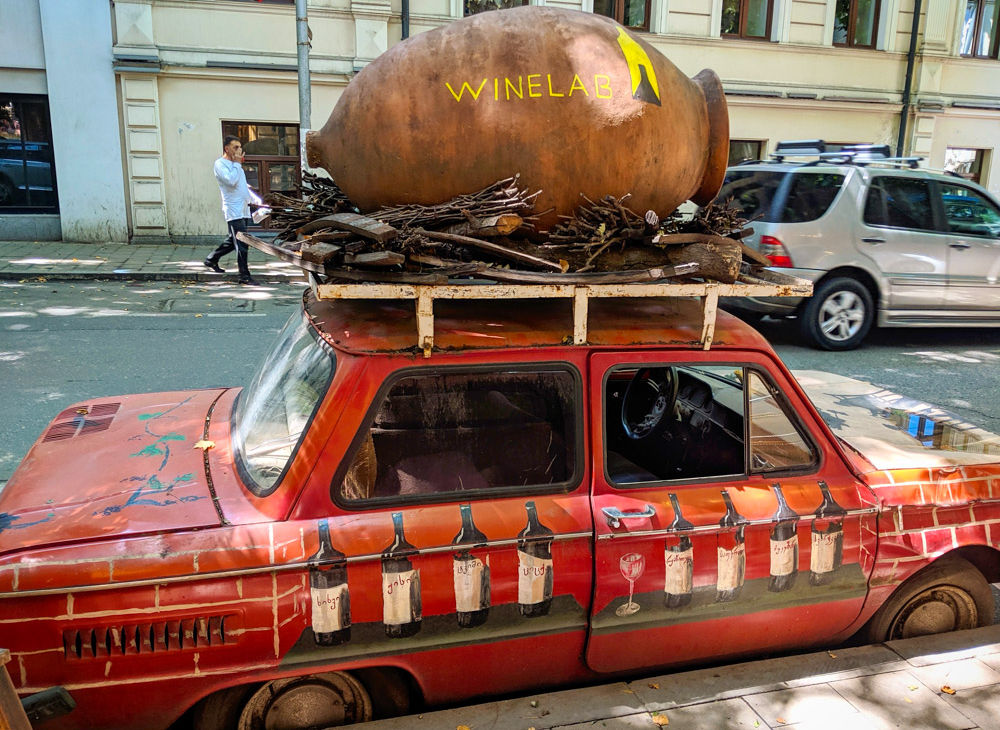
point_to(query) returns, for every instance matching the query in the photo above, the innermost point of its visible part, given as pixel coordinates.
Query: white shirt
(236, 195)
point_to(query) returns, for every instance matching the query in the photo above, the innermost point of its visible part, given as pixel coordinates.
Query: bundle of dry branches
(489, 234)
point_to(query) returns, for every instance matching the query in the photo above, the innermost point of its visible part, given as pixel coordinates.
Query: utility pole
(305, 98)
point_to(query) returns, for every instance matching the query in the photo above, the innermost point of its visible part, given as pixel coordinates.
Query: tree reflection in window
(747, 18)
(855, 23)
(480, 6)
(979, 29)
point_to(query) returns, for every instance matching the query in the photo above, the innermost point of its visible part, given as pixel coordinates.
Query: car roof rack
(763, 283)
(851, 154)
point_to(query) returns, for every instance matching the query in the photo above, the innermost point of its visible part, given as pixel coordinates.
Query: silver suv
(876, 236)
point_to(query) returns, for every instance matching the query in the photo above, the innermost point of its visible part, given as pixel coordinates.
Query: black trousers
(237, 225)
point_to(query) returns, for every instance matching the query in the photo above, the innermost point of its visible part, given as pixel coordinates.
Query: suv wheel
(838, 315)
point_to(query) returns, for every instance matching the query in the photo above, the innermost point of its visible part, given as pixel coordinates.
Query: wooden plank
(590, 277)
(710, 306)
(375, 258)
(284, 254)
(319, 253)
(425, 319)
(492, 248)
(581, 304)
(361, 225)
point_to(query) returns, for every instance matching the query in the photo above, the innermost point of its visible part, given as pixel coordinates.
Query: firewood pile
(490, 234)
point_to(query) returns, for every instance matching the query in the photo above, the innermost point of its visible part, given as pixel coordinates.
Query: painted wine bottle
(784, 545)
(534, 566)
(732, 553)
(401, 610)
(472, 574)
(328, 592)
(827, 553)
(679, 560)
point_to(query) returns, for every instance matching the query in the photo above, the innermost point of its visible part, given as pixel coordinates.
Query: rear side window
(461, 432)
(776, 196)
(969, 213)
(899, 202)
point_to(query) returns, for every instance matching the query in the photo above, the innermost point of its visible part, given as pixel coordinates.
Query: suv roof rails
(851, 154)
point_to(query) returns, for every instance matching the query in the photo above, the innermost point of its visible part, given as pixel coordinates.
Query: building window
(966, 162)
(747, 18)
(979, 29)
(27, 168)
(479, 6)
(272, 160)
(855, 23)
(743, 150)
(632, 14)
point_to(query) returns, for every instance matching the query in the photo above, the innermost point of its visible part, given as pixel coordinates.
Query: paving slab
(675, 690)
(801, 704)
(980, 705)
(958, 674)
(900, 700)
(939, 648)
(725, 715)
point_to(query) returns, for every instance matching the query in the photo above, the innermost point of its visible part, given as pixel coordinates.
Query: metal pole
(908, 83)
(305, 100)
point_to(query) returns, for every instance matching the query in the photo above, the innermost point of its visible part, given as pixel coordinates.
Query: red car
(362, 528)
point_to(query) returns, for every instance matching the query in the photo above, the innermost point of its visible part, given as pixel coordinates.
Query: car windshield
(273, 411)
(774, 196)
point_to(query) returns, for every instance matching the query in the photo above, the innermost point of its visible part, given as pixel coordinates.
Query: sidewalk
(900, 684)
(70, 261)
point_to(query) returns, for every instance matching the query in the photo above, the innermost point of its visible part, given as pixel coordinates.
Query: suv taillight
(775, 252)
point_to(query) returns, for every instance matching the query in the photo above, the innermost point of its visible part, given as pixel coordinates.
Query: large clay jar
(570, 100)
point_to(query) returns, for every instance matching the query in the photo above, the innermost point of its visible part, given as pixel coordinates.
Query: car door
(717, 534)
(973, 224)
(464, 530)
(897, 231)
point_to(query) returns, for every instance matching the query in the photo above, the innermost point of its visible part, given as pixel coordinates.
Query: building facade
(138, 94)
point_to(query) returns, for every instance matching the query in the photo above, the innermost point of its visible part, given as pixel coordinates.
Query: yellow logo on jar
(640, 69)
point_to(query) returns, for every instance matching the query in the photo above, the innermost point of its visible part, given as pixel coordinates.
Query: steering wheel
(649, 399)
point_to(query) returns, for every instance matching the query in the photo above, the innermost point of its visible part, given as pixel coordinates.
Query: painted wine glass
(631, 565)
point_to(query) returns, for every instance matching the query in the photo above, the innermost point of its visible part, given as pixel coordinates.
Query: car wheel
(330, 699)
(948, 595)
(838, 315)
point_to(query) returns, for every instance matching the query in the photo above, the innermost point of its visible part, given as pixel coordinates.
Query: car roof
(866, 169)
(366, 326)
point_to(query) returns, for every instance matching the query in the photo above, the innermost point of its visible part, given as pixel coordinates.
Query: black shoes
(249, 282)
(214, 266)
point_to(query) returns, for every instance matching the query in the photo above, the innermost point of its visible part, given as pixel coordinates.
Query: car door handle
(960, 245)
(615, 515)
(873, 240)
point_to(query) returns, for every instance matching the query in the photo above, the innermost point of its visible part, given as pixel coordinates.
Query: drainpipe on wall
(908, 84)
(405, 19)
(305, 99)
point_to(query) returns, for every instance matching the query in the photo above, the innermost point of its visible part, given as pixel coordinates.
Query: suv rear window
(775, 196)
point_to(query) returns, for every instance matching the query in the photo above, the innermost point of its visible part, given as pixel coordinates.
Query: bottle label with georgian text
(534, 579)
(470, 577)
(329, 609)
(732, 566)
(783, 556)
(397, 597)
(823, 556)
(679, 571)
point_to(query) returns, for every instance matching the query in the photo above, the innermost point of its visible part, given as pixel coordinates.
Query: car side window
(458, 432)
(899, 202)
(775, 442)
(969, 213)
(680, 422)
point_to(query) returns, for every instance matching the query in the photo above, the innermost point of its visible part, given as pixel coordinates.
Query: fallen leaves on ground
(947, 690)
(653, 685)
(204, 445)
(463, 727)
(660, 720)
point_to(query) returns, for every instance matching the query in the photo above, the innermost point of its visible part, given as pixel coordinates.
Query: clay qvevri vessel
(571, 101)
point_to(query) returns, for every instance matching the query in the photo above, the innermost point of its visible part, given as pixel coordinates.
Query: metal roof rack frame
(763, 283)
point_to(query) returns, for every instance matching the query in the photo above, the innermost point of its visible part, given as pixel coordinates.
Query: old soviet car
(363, 528)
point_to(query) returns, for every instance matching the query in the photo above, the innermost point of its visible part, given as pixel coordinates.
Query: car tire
(948, 595)
(838, 315)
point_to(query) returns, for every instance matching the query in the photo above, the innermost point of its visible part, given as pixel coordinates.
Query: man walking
(236, 199)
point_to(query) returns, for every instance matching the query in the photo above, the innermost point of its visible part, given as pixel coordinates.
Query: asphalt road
(61, 343)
